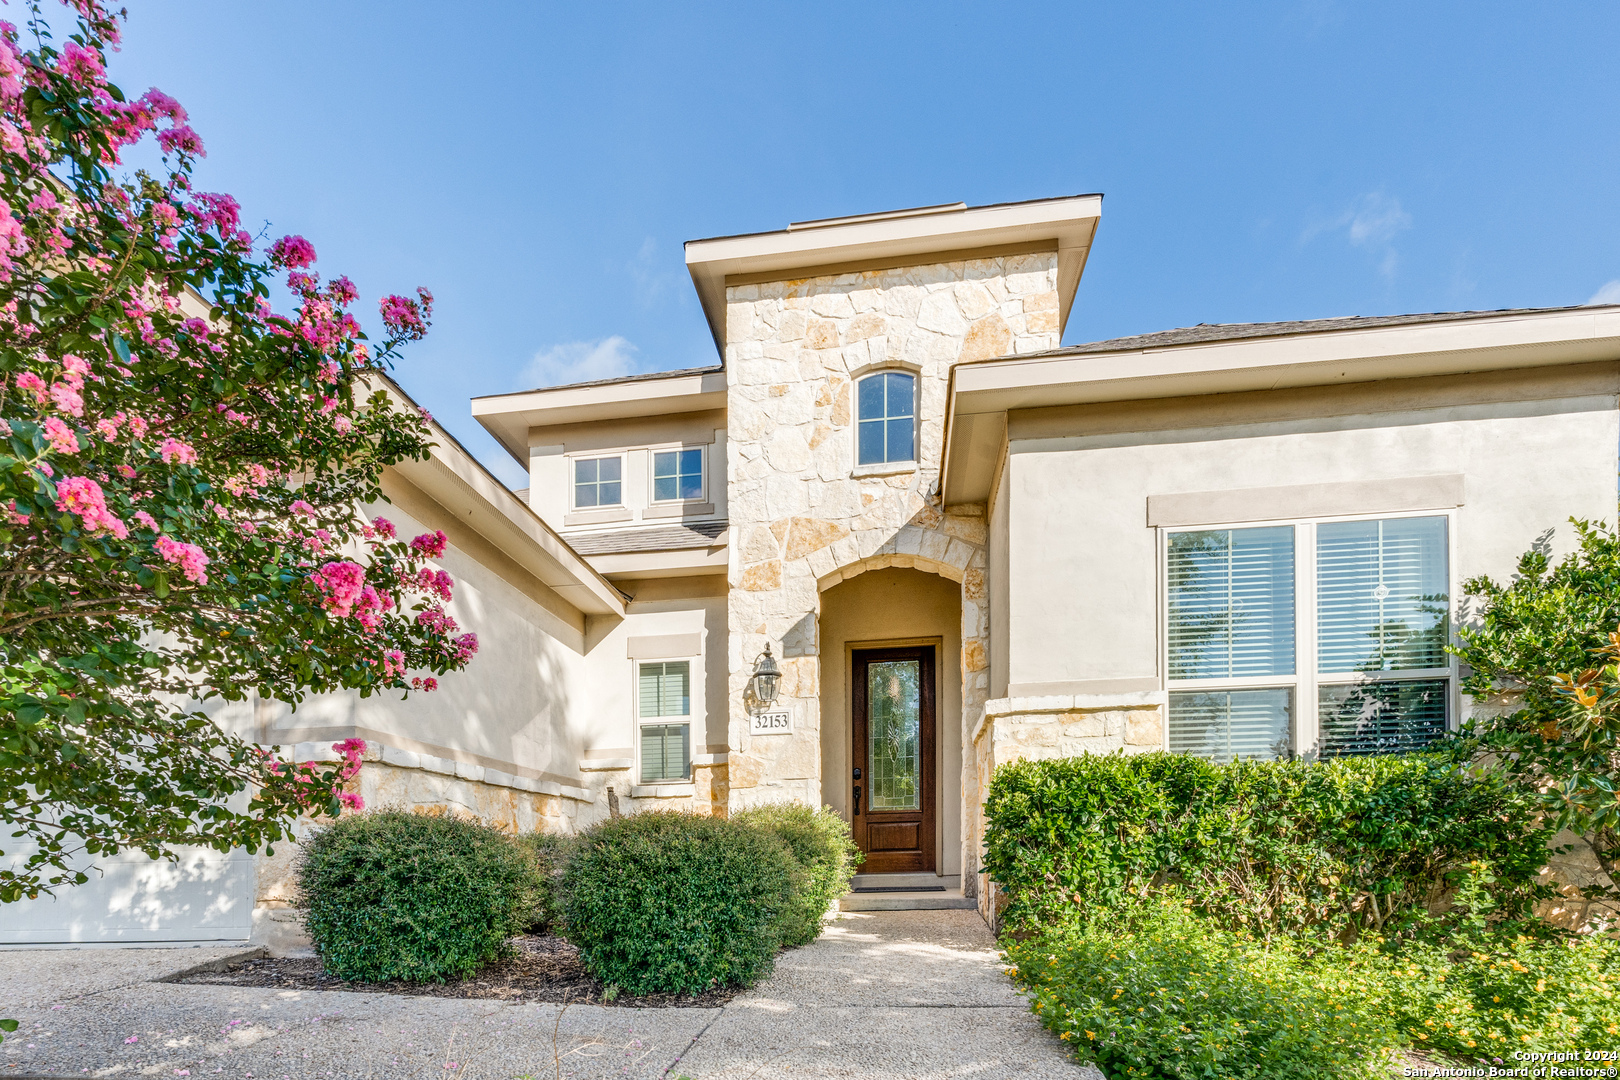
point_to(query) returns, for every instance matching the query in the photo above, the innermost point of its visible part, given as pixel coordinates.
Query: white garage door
(206, 896)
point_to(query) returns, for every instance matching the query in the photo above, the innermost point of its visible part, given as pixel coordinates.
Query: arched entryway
(879, 627)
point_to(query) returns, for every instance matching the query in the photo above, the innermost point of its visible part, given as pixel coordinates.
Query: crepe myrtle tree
(181, 475)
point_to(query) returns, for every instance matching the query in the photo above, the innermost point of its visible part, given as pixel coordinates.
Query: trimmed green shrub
(1334, 847)
(551, 852)
(820, 843)
(395, 895)
(1162, 992)
(664, 902)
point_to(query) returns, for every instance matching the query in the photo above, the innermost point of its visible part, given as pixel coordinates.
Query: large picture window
(1324, 636)
(664, 693)
(886, 421)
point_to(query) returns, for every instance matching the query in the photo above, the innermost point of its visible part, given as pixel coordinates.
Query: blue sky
(538, 166)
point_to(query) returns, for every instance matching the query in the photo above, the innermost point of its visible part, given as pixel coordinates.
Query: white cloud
(1609, 294)
(1371, 222)
(580, 361)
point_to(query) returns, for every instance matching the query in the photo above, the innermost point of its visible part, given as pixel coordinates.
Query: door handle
(857, 800)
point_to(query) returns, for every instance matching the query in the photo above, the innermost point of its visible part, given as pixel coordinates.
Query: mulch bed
(542, 969)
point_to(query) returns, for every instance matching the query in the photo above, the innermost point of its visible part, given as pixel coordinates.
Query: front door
(893, 772)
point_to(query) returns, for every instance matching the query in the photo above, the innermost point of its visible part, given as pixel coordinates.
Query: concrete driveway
(903, 994)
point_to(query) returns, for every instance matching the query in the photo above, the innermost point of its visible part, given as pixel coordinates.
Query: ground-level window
(664, 704)
(677, 475)
(598, 482)
(1313, 635)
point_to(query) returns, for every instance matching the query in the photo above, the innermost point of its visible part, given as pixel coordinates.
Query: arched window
(886, 414)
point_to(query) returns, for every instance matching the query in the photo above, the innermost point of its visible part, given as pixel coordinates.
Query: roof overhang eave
(1068, 225)
(454, 479)
(982, 394)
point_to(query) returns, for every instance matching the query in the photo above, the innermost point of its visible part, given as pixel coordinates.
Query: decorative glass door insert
(894, 734)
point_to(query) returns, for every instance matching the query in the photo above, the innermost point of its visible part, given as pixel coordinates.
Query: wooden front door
(893, 774)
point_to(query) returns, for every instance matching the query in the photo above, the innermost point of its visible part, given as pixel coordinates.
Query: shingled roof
(664, 538)
(1205, 333)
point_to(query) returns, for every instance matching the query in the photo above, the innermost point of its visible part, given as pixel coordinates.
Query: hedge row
(1339, 846)
(660, 902)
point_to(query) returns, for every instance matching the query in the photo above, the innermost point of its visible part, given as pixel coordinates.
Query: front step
(926, 879)
(943, 893)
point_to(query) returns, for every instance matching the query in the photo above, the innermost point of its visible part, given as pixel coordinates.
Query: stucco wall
(1083, 575)
(878, 608)
(551, 483)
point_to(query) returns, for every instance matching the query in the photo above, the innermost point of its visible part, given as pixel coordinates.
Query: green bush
(550, 852)
(1329, 848)
(395, 895)
(1159, 991)
(664, 902)
(820, 843)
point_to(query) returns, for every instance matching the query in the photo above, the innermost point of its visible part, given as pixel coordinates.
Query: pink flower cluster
(437, 622)
(465, 646)
(190, 557)
(291, 252)
(83, 496)
(430, 545)
(61, 437)
(172, 450)
(405, 318)
(345, 593)
(435, 582)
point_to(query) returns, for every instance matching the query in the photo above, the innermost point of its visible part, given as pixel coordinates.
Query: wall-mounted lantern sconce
(766, 677)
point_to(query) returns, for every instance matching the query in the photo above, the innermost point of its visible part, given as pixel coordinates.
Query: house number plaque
(770, 723)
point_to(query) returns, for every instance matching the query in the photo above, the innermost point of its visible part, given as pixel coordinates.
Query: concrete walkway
(901, 994)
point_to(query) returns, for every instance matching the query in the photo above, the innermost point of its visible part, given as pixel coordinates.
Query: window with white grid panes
(1317, 636)
(664, 707)
(677, 475)
(886, 418)
(598, 482)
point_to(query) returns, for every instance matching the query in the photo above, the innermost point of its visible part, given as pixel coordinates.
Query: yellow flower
(1091, 1034)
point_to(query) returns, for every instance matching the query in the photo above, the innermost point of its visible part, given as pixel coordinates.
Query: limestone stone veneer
(804, 517)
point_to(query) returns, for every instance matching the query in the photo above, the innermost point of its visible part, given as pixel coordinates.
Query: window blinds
(1381, 595)
(666, 689)
(1231, 603)
(666, 752)
(1231, 724)
(1388, 717)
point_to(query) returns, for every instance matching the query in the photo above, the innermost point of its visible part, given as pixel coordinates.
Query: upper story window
(598, 482)
(677, 474)
(886, 418)
(1325, 634)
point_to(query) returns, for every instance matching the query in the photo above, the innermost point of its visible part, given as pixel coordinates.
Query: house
(956, 542)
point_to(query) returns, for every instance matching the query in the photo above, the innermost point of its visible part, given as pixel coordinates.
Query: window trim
(885, 468)
(573, 487)
(1304, 730)
(652, 475)
(694, 674)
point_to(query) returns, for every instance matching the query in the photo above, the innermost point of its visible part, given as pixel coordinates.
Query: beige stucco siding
(1083, 591)
(524, 703)
(696, 620)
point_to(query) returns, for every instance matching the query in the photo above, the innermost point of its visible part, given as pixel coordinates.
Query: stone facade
(804, 518)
